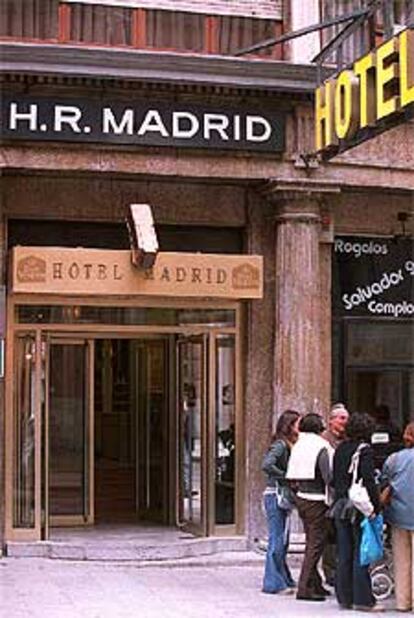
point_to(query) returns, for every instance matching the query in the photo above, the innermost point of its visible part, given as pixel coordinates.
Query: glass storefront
(373, 326)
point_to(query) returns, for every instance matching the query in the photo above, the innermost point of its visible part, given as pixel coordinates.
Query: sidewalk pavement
(215, 587)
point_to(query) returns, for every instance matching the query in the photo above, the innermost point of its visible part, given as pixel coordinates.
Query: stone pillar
(259, 364)
(297, 371)
(297, 349)
(302, 363)
(2, 408)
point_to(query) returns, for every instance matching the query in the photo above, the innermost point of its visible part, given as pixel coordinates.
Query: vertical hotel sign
(360, 102)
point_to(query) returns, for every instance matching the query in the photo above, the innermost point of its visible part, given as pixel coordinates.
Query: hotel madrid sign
(360, 102)
(61, 271)
(141, 123)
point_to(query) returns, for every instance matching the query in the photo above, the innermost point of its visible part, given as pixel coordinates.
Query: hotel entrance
(125, 429)
(123, 391)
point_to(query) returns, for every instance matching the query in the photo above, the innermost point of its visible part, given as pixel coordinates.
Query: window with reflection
(126, 316)
(225, 429)
(234, 33)
(179, 31)
(132, 26)
(67, 430)
(192, 407)
(388, 18)
(29, 19)
(24, 432)
(107, 25)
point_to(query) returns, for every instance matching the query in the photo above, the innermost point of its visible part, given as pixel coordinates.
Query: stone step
(131, 550)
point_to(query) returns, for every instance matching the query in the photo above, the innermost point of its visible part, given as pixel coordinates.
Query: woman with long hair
(277, 577)
(353, 583)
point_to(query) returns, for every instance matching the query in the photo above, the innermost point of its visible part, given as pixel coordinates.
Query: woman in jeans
(353, 583)
(398, 473)
(277, 577)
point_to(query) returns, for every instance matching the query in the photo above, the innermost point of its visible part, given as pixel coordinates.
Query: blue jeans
(353, 583)
(277, 576)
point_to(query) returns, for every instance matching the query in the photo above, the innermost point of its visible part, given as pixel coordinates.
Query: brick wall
(253, 8)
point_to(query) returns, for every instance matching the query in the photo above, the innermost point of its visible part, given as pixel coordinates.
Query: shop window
(29, 19)
(178, 31)
(103, 25)
(373, 325)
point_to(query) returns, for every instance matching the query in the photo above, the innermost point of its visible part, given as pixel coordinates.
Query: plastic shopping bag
(372, 542)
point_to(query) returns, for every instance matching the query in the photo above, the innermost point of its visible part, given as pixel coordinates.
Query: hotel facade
(133, 395)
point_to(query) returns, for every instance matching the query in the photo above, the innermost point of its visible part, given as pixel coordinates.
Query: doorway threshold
(124, 543)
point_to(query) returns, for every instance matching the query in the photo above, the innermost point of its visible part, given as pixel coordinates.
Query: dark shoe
(345, 605)
(310, 597)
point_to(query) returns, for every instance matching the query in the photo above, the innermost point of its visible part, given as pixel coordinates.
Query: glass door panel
(225, 433)
(70, 432)
(191, 422)
(151, 418)
(26, 427)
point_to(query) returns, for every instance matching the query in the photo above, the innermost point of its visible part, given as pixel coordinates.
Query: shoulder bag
(357, 493)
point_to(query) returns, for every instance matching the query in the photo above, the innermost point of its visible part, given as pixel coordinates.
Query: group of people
(309, 467)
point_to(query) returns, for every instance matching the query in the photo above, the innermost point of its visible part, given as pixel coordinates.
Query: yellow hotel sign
(61, 271)
(379, 87)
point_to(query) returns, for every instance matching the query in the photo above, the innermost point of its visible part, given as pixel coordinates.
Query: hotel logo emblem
(31, 269)
(245, 277)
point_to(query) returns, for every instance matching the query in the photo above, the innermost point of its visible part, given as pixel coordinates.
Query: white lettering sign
(360, 248)
(141, 123)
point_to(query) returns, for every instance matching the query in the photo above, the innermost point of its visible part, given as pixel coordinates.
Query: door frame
(89, 445)
(65, 331)
(200, 528)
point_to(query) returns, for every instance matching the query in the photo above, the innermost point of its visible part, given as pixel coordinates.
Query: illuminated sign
(376, 91)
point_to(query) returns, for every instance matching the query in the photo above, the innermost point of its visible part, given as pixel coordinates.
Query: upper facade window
(146, 24)
(390, 16)
(29, 19)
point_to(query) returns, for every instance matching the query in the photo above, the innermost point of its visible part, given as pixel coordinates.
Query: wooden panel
(92, 271)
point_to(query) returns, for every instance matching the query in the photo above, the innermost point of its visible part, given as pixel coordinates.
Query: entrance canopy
(63, 271)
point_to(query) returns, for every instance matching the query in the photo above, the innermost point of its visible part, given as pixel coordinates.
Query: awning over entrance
(78, 271)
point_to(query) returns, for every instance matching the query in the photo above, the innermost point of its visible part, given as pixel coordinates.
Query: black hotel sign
(141, 123)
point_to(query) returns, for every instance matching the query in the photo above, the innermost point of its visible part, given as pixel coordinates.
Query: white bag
(357, 493)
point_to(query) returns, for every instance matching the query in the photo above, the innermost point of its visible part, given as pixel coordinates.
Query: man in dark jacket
(334, 434)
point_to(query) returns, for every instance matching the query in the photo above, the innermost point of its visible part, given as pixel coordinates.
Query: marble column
(297, 370)
(2, 334)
